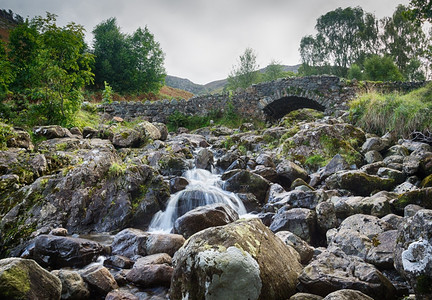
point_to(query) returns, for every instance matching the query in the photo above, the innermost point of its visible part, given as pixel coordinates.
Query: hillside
(8, 20)
(211, 87)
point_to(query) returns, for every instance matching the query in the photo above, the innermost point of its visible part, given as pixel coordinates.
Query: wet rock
(334, 270)
(300, 221)
(130, 242)
(73, 286)
(236, 165)
(99, 279)
(148, 130)
(178, 184)
(204, 217)
(127, 138)
(25, 279)
(347, 294)
(59, 251)
(244, 250)
(247, 182)
(266, 172)
(118, 261)
(151, 275)
(227, 159)
(413, 255)
(51, 131)
(164, 243)
(204, 159)
(305, 251)
(173, 164)
(359, 183)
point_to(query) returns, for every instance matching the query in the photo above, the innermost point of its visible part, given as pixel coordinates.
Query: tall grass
(401, 114)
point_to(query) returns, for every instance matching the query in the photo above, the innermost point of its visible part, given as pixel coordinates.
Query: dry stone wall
(269, 100)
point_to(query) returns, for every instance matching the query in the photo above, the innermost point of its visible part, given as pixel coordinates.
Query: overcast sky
(202, 39)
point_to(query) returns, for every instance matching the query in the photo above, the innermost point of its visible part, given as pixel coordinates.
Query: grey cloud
(202, 39)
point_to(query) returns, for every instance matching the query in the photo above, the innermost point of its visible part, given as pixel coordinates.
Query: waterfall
(204, 188)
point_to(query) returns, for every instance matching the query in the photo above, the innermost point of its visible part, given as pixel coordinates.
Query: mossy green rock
(359, 183)
(25, 279)
(427, 182)
(241, 260)
(422, 197)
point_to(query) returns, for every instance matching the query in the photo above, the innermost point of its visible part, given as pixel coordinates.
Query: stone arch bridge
(267, 101)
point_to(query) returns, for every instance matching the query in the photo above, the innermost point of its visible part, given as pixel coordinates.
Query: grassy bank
(402, 114)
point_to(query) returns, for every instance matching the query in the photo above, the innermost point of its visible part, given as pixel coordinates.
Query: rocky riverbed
(333, 213)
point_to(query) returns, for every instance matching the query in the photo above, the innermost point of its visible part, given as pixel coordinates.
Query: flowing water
(204, 188)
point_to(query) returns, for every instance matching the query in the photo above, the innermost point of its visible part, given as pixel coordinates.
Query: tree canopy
(47, 65)
(345, 38)
(245, 72)
(129, 63)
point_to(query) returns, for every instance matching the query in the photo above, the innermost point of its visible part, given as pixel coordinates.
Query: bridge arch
(280, 107)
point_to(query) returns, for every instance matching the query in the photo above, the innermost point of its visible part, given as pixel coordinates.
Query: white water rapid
(204, 188)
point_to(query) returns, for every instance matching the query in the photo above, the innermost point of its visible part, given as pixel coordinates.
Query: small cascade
(204, 188)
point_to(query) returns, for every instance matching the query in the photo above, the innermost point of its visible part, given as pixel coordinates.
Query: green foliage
(6, 133)
(7, 75)
(107, 94)
(131, 63)
(379, 68)
(344, 35)
(50, 70)
(245, 73)
(315, 161)
(117, 169)
(355, 72)
(402, 114)
(347, 37)
(404, 40)
(228, 117)
(274, 71)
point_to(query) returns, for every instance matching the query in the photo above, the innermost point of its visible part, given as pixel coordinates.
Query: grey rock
(204, 217)
(73, 286)
(25, 279)
(204, 159)
(304, 250)
(373, 156)
(99, 279)
(347, 294)
(151, 275)
(334, 270)
(300, 221)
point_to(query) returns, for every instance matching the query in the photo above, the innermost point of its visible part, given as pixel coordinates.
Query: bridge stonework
(266, 101)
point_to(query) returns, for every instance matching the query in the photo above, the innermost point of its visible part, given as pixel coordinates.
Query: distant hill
(211, 87)
(8, 20)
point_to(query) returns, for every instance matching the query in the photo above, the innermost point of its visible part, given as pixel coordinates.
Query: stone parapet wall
(328, 92)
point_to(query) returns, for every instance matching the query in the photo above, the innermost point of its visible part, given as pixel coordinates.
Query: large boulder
(359, 183)
(357, 234)
(99, 279)
(243, 181)
(413, 255)
(334, 270)
(241, 260)
(148, 130)
(300, 221)
(59, 251)
(25, 279)
(127, 138)
(203, 217)
(151, 275)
